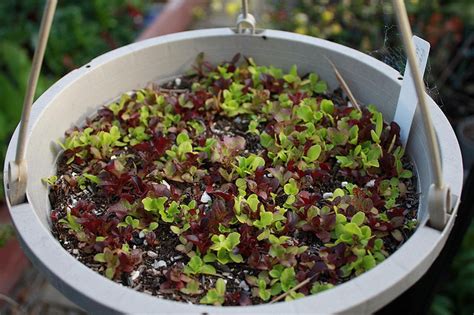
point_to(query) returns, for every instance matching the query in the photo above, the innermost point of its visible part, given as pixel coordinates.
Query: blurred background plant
(369, 26)
(83, 30)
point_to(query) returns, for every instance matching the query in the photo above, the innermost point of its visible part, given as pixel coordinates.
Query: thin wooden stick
(344, 86)
(283, 295)
(392, 144)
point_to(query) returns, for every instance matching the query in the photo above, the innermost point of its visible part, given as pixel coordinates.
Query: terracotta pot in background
(12, 260)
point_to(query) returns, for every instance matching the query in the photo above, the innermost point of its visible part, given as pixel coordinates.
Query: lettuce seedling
(288, 279)
(180, 230)
(370, 155)
(85, 178)
(308, 112)
(208, 148)
(117, 107)
(259, 285)
(157, 207)
(197, 266)
(313, 153)
(327, 107)
(226, 246)
(378, 127)
(292, 77)
(291, 189)
(110, 259)
(227, 149)
(154, 205)
(215, 296)
(129, 221)
(71, 222)
(136, 135)
(292, 295)
(169, 121)
(284, 253)
(106, 141)
(280, 173)
(338, 137)
(169, 214)
(235, 101)
(390, 190)
(198, 127)
(252, 202)
(51, 180)
(266, 219)
(320, 287)
(248, 165)
(316, 85)
(366, 259)
(151, 227)
(398, 153)
(192, 288)
(182, 147)
(266, 140)
(351, 160)
(353, 231)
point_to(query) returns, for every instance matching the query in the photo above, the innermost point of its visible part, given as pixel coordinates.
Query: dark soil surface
(159, 260)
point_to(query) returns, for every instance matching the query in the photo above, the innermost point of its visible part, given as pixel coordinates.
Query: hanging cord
(17, 169)
(245, 8)
(407, 35)
(439, 196)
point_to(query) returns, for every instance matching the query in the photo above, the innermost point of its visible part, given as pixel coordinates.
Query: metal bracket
(245, 20)
(439, 196)
(17, 175)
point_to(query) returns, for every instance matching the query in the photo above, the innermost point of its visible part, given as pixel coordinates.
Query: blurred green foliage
(81, 31)
(457, 293)
(370, 26)
(6, 232)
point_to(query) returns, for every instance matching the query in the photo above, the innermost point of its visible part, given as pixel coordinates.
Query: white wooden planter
(81, 92)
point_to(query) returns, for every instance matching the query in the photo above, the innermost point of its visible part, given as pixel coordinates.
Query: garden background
(83, 30)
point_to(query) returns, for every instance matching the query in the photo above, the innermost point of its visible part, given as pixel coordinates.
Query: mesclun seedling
(225, 247)
(197, 266)
(215, 296)
(237, 184)
(248, 165)
(71, 222)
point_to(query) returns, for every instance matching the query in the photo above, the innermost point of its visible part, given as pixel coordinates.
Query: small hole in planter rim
(88, 66)
(400, 78)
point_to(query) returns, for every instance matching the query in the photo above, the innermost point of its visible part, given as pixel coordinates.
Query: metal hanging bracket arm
(245, 20)
(439, 196)
(17, 169)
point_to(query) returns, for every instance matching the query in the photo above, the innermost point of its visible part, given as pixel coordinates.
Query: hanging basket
(77, 96)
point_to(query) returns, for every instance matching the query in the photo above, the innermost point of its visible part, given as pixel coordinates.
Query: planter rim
(365, 293)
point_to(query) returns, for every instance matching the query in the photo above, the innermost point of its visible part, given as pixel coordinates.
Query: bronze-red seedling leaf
(251, 170)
